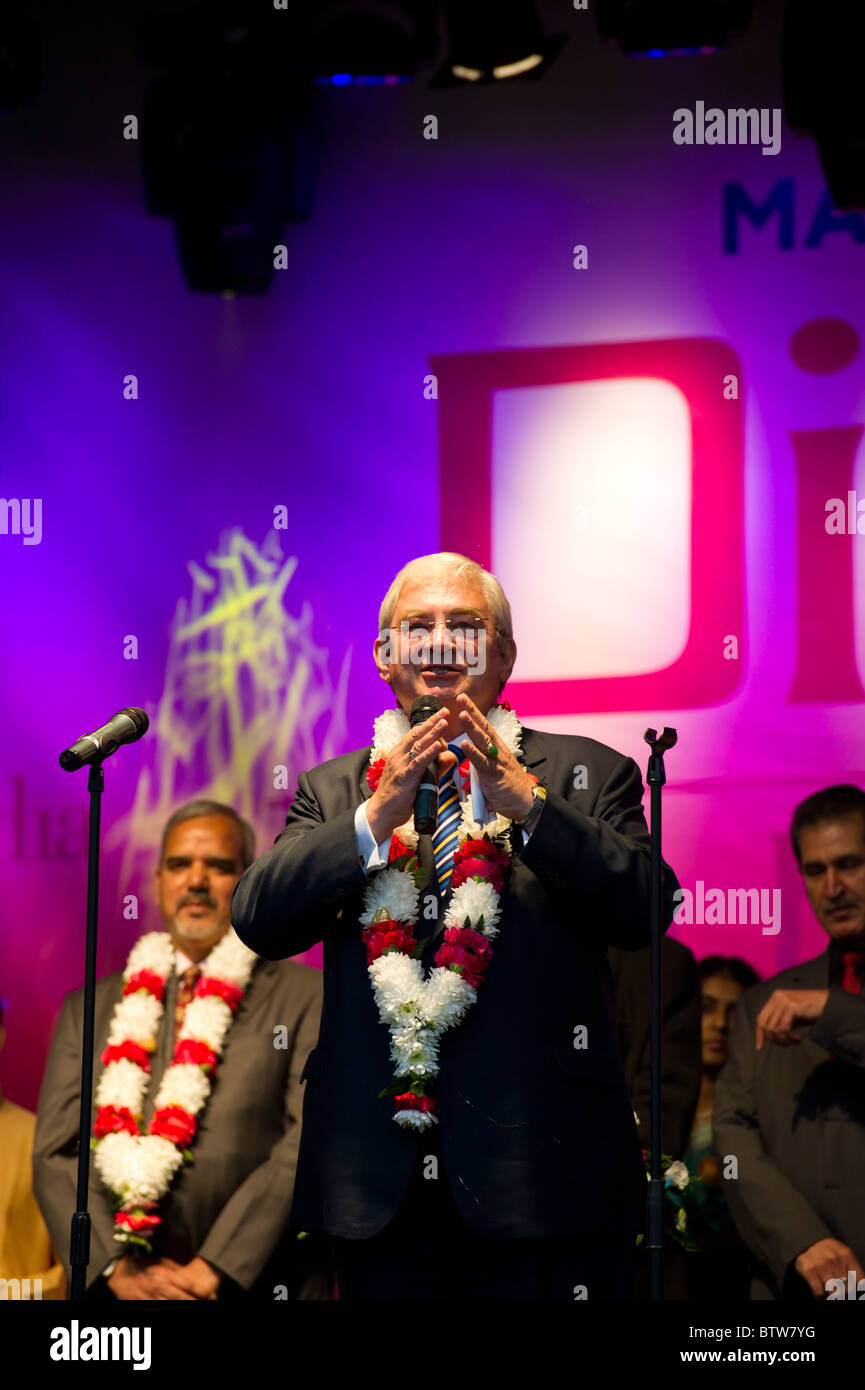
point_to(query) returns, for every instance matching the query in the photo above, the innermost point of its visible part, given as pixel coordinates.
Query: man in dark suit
(790, 1100)
(224, 1218)
(531, 1184)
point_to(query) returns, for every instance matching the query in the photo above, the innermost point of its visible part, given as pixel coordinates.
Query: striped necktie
(447, 823)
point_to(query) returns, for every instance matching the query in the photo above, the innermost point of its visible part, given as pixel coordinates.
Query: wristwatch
(539, 794)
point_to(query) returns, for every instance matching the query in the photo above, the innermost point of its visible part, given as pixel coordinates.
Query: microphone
(126, 726)
(427, 796)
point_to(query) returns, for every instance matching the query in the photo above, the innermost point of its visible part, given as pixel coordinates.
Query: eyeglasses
(458, 629)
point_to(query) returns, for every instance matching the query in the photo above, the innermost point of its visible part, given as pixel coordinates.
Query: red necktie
(850, 979)
(185, 991)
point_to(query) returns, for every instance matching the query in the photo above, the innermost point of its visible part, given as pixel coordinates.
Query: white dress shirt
(183, 962)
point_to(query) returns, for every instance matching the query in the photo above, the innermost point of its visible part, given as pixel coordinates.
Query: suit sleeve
(774, 1218)
(55, 1147)
(284, 902)
(253, 1220)
(603, 861)
(841, 1026)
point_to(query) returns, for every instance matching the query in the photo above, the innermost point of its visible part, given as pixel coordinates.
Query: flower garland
(138, 1168)
(418, 1009)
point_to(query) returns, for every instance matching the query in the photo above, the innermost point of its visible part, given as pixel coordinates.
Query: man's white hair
(459, 567)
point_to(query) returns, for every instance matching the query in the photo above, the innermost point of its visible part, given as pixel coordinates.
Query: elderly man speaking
(467, 1130)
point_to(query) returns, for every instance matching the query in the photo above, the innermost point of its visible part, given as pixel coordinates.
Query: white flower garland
(418, 1009)
(138, 1168)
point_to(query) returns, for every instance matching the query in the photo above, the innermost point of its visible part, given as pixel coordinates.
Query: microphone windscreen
(139, 719)
(423, 707)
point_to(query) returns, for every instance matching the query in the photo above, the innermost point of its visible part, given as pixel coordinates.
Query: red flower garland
(174, 1123)
(147, 980)
(137, 1221)
(409, 1101)
(110, 1118)
(128, 1050)
(223, 989)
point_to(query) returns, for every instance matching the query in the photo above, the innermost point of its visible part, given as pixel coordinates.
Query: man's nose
(834, 886)
(440, 638)
(198, 875)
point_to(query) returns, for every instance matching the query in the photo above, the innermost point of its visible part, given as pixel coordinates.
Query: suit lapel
(813, 974)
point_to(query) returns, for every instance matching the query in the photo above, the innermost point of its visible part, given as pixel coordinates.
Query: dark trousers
(428, 1252)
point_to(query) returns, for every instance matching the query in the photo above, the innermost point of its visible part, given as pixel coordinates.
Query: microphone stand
(655, 779)
(79, 1244)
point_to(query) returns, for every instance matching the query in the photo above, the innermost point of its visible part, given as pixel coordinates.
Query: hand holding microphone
(406, 784)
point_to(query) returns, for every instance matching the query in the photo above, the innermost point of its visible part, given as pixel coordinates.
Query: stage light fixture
(226, 137)
(670, 28)
(20, 58)
(366, 42)
(822, 85)
(489, 42)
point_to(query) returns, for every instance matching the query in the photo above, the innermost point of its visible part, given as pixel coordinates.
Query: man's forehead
(832, 837)
(422, 596)
(201, 832)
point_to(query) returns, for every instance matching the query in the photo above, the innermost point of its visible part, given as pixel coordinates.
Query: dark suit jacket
(538, 1137)
(795, 1119)
(681, 1041)
(231, 1205)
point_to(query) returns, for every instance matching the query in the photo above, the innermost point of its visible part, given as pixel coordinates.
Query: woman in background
(721, 1267)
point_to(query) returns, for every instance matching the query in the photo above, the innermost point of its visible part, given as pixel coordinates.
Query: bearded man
(200, 1046)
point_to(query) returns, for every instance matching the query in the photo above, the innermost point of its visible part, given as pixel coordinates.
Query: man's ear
(509, 652)
(379, 666)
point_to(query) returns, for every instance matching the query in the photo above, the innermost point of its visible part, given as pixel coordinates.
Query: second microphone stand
(655, 779)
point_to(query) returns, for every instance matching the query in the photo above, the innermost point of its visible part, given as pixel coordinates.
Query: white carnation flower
(407, 833)
(138, 1168)
(231, 960)
(114, 1154)
(153, 951)
(415, 1119)
(415, 1054)
(397, 981)
(471, 899)
(186, 1085)
(678, 1175)
(389, 728)
(156, 1162)
(207, 1020)
(447, 997)
(472, 829)
(122, 1084)
(507, 728)
(395, 892)
(136, 1018)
